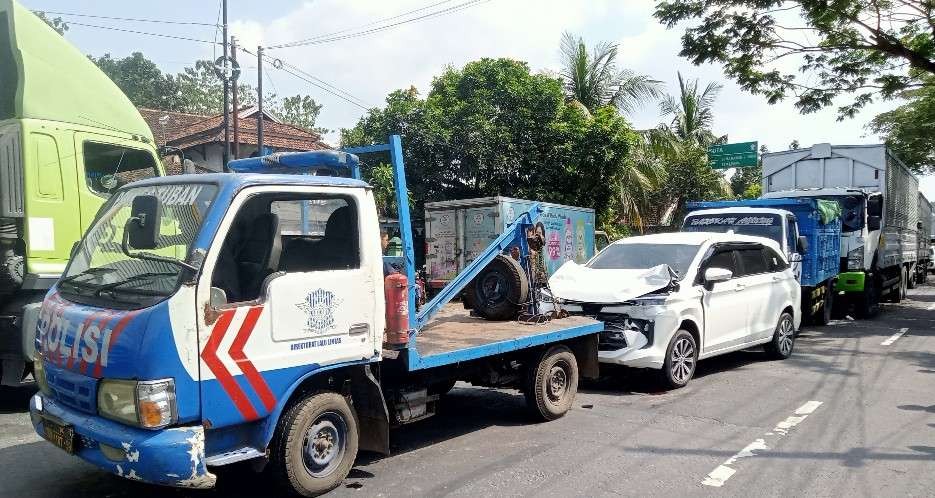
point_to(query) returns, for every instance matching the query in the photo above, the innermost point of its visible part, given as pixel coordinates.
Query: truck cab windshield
(100, 273)
(755, 224)
(852, 211)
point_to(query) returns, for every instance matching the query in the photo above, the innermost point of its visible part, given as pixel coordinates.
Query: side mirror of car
(217, 297)
(715, 275)
(142, 228)
(801, 244)
(874, 223)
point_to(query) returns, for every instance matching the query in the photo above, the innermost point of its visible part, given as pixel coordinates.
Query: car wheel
(783, 341)
(681, 359)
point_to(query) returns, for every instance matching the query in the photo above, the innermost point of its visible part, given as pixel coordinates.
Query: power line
(430, 15)
(313, 80)
(131, 19)
(123, 30)
(378, 21)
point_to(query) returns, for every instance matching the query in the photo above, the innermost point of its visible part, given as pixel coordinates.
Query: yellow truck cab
(68, 138)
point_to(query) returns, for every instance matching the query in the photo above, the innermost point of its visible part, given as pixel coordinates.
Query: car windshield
(101, 271)
(756, 224)
(640, 256)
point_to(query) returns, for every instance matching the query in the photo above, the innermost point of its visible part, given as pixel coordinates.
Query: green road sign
(742, 155)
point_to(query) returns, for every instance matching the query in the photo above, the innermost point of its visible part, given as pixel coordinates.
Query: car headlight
(147, 404)
(38, 372)
(855, 259)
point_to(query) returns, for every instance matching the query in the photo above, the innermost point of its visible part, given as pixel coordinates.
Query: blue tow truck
(808, 230)
(197, 325)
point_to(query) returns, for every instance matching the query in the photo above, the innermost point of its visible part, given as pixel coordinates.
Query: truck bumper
(170, 457)
(851, 281)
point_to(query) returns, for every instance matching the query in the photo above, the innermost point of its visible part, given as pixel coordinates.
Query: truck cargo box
(457, 231)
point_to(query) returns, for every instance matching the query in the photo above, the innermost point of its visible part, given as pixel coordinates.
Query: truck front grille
(71, 389)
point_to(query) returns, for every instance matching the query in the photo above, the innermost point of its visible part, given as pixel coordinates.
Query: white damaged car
(669, 300)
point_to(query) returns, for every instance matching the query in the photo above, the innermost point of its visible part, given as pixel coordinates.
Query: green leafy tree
(594, 80)
(746, 183)
(142, 81)
(495, 128)
(908, 129)
(56, 23)
(812, 50)
(299, 110)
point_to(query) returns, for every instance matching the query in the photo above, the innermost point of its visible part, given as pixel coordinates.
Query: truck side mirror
(142, 228)
(874, 223)
(875, 206)
(801, 244)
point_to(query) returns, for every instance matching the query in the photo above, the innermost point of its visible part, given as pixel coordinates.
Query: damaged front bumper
(170, 457)
(634, 336)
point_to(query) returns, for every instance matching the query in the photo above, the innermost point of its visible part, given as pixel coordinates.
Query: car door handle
(740, 287)
(776, 278)
(359, 328)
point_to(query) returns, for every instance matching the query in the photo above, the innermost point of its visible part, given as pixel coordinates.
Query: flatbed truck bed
(454, 336)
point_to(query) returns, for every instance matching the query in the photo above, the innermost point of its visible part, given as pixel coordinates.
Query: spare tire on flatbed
(499, 291)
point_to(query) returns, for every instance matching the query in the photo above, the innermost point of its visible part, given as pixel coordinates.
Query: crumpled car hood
(575, 282)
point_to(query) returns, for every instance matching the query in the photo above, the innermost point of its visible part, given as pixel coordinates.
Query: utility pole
(236, 102)
(259, 99)
(226, 71)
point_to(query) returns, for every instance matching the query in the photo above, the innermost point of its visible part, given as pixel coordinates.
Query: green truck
(68, 138)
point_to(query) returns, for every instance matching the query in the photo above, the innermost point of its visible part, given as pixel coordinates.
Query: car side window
(775, 262)
(723, 258)
(752, 261)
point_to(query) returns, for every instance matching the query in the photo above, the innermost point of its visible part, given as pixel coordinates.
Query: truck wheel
(552, 384)
(867, 303)
(500, 289)
(783, 341)
(824, 314)
(315, 444)
(681, 359)
(911, 277)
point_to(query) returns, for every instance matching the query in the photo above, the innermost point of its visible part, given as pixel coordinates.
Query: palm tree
(593, 80)
(681, 145)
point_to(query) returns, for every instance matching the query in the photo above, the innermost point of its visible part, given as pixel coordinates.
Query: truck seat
(259, 254)
(338, 249)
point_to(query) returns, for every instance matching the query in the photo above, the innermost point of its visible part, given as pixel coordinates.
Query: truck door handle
(359, 328)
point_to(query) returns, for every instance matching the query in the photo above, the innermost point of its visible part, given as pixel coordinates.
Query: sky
(369, 67)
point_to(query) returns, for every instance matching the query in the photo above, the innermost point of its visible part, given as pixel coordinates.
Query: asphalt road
(852, 413)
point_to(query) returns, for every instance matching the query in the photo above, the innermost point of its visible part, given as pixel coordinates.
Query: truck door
(286, 301)
(480, 229)
(442, 249)
(791, 246)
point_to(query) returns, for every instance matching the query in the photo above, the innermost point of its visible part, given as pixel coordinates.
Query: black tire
(681, 360)
(308, 470)
(911, 278)
(551, 384)
(867, 303)
(825, 313)
(783, 342)
(499, 290)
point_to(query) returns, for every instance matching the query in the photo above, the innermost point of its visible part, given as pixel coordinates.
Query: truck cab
(69, 138)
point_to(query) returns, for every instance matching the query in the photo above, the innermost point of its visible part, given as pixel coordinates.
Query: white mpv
(669, 300)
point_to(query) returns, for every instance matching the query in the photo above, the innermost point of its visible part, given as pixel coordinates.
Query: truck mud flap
(372, 414)
(585, 350)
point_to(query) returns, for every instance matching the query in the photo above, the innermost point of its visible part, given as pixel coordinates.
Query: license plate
(60, 435)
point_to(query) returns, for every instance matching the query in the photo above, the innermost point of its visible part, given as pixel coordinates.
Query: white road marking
(895, 336)
(724, 471)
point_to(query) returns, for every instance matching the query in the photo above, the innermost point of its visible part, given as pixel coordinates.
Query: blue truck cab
(201, 322)
(809, 238)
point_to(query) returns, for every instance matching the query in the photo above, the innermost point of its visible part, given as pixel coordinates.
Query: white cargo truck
(879, 198)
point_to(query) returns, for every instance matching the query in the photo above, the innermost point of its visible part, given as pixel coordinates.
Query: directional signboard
(741, 155)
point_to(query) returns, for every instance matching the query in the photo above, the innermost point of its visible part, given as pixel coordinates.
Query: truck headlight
(147, 404)
(855, 259)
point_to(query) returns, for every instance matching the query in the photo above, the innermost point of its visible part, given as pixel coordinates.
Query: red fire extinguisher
(395, 289)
